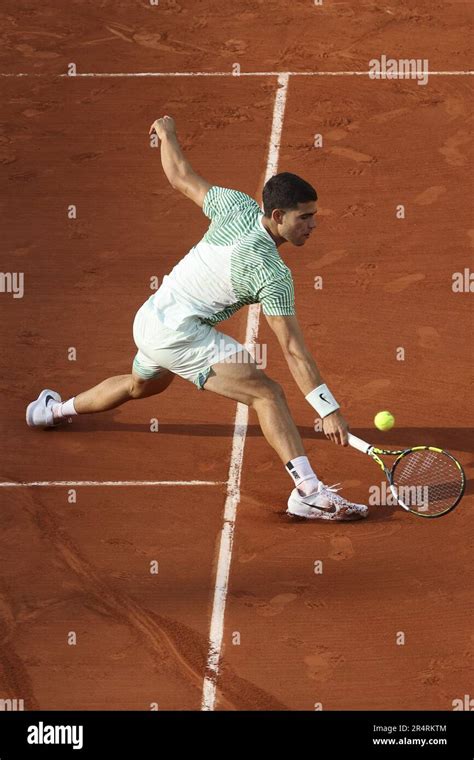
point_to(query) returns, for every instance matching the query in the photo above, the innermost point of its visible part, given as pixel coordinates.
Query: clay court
(234, 617)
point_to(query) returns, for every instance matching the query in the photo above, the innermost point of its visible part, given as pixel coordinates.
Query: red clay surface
(305, 638)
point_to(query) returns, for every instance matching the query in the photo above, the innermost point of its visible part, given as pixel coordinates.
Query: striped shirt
(236, 263)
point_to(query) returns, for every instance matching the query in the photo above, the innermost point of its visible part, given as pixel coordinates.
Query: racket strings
(428, 481)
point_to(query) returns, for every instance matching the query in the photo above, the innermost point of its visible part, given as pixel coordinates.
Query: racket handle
(358, 443)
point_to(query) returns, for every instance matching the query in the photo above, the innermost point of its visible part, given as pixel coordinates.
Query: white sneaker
(40, 412)
(324, 504)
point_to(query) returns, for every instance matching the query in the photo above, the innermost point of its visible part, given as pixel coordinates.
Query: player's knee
(270, 390)
(137, 389)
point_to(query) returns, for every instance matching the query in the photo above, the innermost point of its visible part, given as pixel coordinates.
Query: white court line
(96, 483)
(238, 443)
(98, 74)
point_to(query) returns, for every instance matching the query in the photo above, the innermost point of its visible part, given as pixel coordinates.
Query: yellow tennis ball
(384, 421)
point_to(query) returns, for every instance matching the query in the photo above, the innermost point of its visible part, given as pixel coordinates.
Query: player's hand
(336, 428)
(162, 127)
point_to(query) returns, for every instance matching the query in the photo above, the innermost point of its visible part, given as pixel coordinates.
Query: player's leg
(242, 380)
(49, 410)
(148, 377)
(117, 390)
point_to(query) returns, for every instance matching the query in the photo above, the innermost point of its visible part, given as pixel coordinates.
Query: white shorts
(189, 353)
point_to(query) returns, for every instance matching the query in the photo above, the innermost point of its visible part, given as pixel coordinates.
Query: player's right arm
(178, 170)
(300, 362)
(305, 371)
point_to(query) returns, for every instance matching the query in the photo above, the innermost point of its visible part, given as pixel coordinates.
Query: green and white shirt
(236, 263)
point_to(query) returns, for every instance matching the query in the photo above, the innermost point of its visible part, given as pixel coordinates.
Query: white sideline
(238, 444)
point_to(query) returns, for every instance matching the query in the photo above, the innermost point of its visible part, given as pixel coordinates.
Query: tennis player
(236, 263)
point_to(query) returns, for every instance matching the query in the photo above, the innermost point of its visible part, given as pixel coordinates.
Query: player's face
(298, 224)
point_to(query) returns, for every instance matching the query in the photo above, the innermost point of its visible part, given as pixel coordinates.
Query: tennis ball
(384, 420)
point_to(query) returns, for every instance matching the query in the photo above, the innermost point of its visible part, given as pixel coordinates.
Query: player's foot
(324, 504)
(40, 412)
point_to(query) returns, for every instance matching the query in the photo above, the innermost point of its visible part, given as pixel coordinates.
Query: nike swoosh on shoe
(332, 508)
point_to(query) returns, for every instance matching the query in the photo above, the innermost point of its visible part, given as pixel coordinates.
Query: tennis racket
(425, 481)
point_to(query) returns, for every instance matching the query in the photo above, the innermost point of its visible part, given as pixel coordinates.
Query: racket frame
(375, 453)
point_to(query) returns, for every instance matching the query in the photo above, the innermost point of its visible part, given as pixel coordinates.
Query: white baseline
(99, 74)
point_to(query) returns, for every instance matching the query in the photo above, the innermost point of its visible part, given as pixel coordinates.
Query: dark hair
(285, 191)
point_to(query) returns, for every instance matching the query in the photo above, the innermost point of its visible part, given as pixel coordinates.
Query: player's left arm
(178, 170)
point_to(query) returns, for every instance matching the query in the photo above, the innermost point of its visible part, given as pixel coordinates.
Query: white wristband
(322, 400)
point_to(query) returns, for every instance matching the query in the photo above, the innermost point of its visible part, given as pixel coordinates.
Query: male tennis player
(236, 263)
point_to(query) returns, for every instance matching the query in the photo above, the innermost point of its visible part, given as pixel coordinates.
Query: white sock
(65, 409)
(302, 473)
